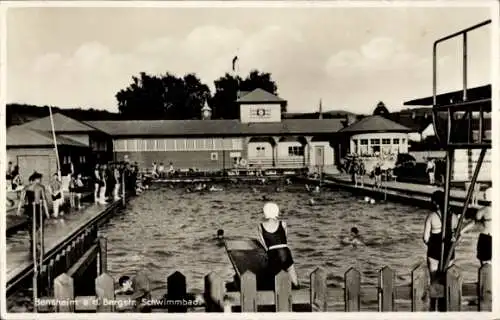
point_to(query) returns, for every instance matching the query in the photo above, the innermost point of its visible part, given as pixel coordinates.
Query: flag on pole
(235, 59)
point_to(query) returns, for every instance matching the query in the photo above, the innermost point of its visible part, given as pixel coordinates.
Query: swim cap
(271, 210)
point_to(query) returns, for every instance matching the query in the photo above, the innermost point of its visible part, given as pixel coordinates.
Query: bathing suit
(434, 247)
(279, 256)
(56, 197)
(484, 247)
(30, 203)
(378, 171)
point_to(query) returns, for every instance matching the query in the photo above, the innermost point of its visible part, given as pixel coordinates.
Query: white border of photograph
(4, 5)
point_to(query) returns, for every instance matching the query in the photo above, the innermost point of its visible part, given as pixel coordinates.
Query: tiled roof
(416, 124)
(19, 136)
(259, 95)
(375, 124)
(475, 93)
(62, 123)
(216, 127)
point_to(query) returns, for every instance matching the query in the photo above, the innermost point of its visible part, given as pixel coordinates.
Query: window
(296, 151)
(363, 147)
(375, 145)
(386, 141)
(190, 144)
(235, 158)
(214, 156)
(150, 145)
(395, 141)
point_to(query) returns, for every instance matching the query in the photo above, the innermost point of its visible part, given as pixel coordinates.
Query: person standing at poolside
(377, 172)
(56, 191)
(273, 236)
(34, 200)
(97, 182)
(431, 171)
(432, 236)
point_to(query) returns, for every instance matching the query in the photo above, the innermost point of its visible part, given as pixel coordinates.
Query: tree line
(169, 96)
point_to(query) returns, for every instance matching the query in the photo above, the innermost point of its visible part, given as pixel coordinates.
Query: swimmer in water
(312, 202)
(278, 189)
(265, 198)
(220, 234)
(126, 286)
(308, 188)
(288, 181)
(316, 189)
(214, 188)
(254, 190)
(354, 239)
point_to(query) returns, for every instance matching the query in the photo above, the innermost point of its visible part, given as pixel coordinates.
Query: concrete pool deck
(417, 194)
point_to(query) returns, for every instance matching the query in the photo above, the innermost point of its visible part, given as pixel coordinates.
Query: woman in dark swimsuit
(273, 236)
(433, 234)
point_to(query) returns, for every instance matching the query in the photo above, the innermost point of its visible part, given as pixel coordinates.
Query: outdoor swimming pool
(166, 230)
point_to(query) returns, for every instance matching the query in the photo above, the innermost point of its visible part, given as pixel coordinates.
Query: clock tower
(260, 106)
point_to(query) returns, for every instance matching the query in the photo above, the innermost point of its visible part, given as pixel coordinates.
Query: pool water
(167, 229)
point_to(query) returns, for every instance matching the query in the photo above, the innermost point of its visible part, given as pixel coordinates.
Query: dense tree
(223, 102)
(17, 114)
(163, 97)
(381, 110)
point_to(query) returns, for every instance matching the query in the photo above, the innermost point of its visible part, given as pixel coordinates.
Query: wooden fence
(317, 298)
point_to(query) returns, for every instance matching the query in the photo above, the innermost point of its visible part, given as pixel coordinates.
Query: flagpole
(55, 143)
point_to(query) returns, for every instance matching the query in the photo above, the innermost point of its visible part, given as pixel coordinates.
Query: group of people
(158, 171)
(432, 236)
(113, 179)
(13, 177)
(273, 233)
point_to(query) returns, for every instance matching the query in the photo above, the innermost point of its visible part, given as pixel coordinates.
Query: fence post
(484, 288)
(103, 255)
(419, 288)
(248, 292)
(176, 290)
(319, 299)
(64, 290)
(283, 292)
(386, 290)
(214, 293)
(453, 289)
(105, 292)
(352, 291)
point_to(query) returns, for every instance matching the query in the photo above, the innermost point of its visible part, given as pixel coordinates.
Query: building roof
(19, 136)
(259, 95)
(417, 122)
(216, 127)
(477, 93)
(375, 124)
(62, 123)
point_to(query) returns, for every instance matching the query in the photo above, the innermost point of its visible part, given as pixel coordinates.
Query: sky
(350, 58)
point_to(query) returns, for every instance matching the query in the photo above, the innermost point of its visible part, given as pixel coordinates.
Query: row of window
(131, 145)
(377, 141)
